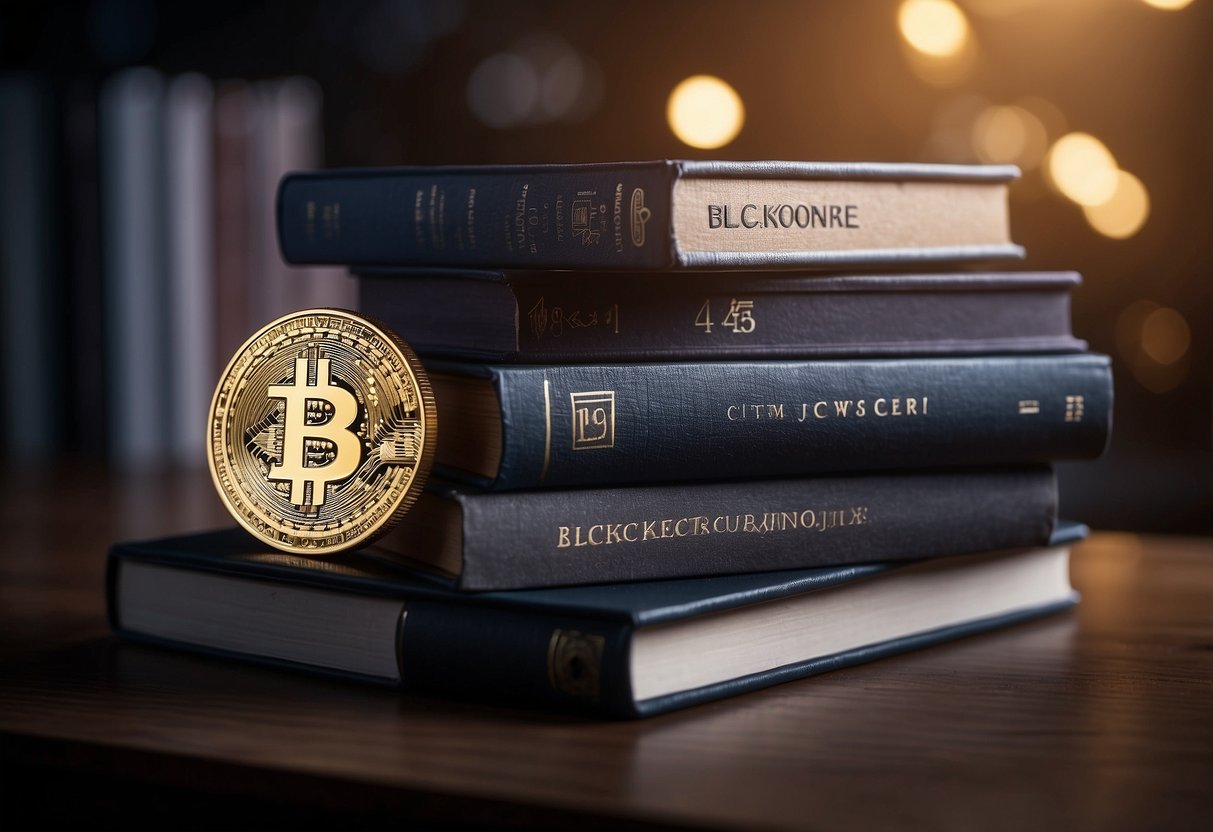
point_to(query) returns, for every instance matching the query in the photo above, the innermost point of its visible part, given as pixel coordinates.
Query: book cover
(526, 539)
(531, 426)
(624, 651)
(647, 215)
(554, 317)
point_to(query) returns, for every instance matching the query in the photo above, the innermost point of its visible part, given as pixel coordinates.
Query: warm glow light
(934, 27)
(1083, 169)
(1009, 134)
(1154, 341)
(1124, 212)
(704, 111)
(1169, 5)
(1165, 336)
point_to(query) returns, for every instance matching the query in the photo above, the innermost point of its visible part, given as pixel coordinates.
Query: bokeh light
(1009, 134)
(539, 80)
(1082, 168)
(1165, 335)
(705, 112)
(503, 90)
(1124, 213)
(1154, 342)
(1169, 5)
(934, 27)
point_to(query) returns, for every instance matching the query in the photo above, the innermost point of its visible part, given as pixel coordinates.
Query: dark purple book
(553, 318)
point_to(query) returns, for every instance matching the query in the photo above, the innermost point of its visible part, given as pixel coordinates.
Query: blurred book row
(138, 251)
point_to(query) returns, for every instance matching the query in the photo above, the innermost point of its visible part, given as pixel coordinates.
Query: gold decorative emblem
(593, 419)
(575, 663)
(1075, 405)
(321, 432)
(640, 216)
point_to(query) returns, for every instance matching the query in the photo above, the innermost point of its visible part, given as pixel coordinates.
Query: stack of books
(681, 453)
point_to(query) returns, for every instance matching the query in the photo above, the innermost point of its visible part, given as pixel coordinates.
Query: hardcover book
(528, 426)
(520, 540)
(647, 215)
(626, 651)
(552, 317)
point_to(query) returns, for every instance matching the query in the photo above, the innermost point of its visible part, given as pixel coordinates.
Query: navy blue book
(623, 650)
(596, 317)
(512, 426)
(529, 539)
(647, 215)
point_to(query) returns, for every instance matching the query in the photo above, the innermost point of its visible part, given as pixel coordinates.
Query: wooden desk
(1099, 718)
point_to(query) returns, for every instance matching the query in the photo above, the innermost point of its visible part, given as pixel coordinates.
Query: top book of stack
(648, 215)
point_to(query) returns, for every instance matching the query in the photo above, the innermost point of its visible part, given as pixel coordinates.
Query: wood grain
(1102, 717)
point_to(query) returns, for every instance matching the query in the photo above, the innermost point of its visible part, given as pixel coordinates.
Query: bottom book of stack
(623, 650)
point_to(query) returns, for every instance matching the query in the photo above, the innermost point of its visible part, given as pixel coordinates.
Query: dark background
(820, 81)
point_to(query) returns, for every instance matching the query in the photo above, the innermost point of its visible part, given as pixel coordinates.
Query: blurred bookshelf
(142, 142)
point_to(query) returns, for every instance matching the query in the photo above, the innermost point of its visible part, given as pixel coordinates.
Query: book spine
(592, 424)
(133, 260)
(234, 116)
(189, 154)
(31, 362)
(536, 659)
(604, 318)
(571, 217)
(533, 539)
(86, 357)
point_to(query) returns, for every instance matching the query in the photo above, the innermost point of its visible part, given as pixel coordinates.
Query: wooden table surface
(1097, 718)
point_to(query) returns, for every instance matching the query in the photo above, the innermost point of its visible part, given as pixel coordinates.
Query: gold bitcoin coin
(322, 431)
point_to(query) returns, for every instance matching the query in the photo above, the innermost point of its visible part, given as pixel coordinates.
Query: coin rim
(427, 406)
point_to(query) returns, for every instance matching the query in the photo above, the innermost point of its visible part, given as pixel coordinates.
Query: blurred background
(140, 142)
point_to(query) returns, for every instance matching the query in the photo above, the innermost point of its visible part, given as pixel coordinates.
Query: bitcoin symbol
(315, 455)
(314, 452)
